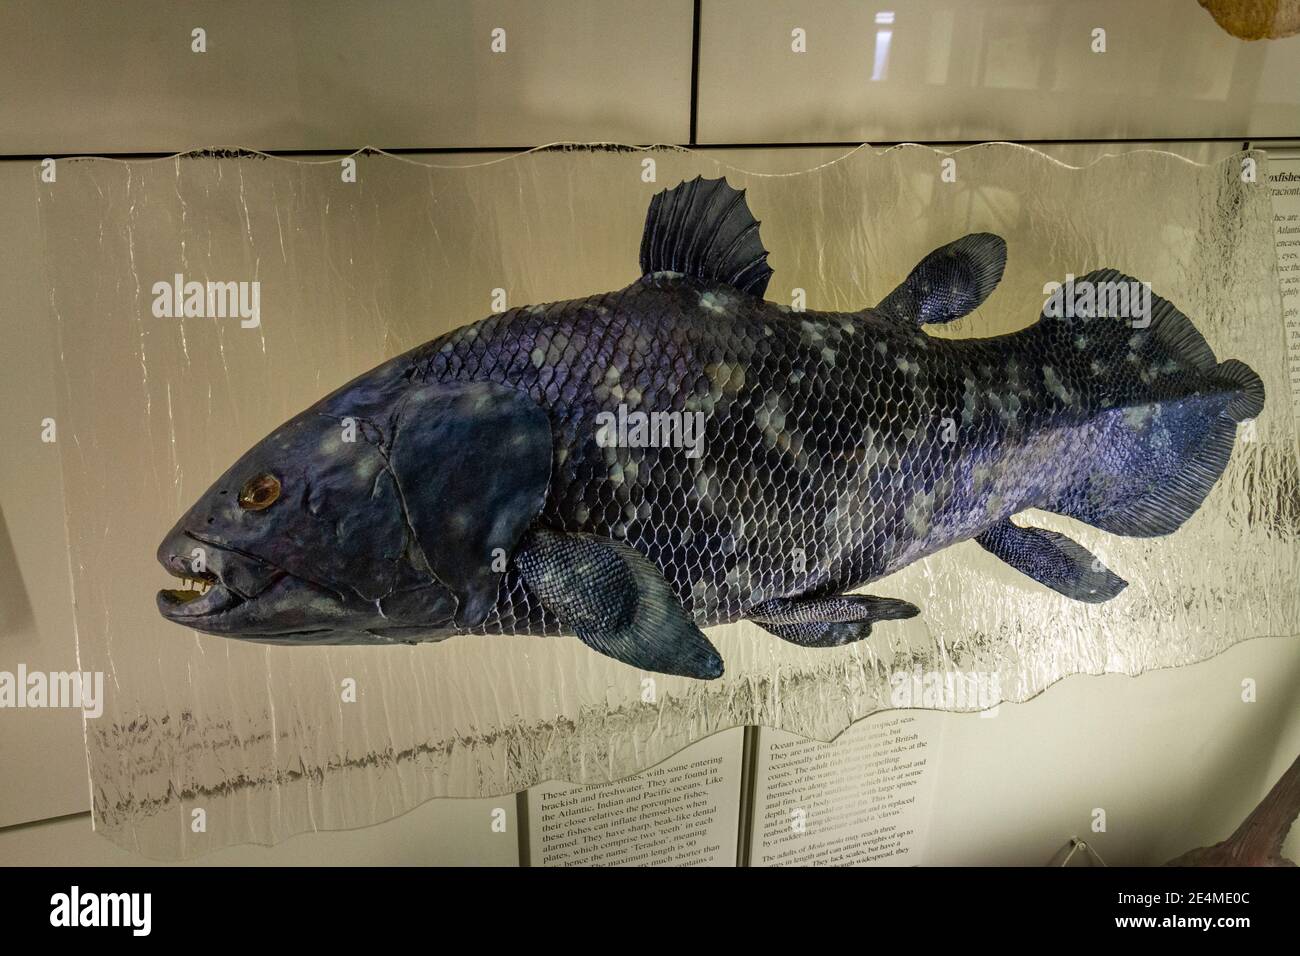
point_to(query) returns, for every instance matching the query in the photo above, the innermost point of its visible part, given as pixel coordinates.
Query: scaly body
(837, 447)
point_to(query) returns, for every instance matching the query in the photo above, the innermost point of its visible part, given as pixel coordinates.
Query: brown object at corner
(1258, 841)
(1256, 19)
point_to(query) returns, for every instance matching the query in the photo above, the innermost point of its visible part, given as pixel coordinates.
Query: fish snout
(176, 555)
(189, 557)
(175, 564)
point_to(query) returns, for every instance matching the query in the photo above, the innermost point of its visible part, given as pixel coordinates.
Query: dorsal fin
(950, 282)
(703, 228)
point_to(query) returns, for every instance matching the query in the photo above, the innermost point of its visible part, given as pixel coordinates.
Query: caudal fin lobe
(1248, 391)
(1169, 417)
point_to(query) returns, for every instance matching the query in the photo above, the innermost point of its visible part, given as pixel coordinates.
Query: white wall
(1174, 756)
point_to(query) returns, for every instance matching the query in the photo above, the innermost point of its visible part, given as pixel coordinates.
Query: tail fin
(1169, 416)
(1248, 397)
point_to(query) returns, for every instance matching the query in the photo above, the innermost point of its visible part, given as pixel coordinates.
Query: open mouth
(203, 595)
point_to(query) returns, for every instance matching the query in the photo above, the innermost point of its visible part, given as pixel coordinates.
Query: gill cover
(472, 463)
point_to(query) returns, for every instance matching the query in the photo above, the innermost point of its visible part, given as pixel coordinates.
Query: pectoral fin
(950, 282)
(1053, 559)
(828, 621)
(616, 602)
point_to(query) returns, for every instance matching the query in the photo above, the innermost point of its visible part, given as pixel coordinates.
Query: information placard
(1284, 181)
(863, 800)
(684, 812)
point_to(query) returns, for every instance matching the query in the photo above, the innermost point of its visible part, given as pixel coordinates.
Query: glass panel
(266, 740)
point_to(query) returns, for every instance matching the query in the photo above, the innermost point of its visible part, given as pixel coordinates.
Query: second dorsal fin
(950, 282)
(703, 228)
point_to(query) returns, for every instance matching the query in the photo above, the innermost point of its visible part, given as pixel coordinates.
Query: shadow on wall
(15, 608)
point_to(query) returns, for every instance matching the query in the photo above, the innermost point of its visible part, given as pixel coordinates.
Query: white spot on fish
(969, 400)
(700, 592)
(716, 302)
(1056, 386)
(366, 469)
(1137, 415)
(919, 512)
(725, 377)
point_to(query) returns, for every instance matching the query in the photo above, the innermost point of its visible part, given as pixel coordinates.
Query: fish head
(304, 540)
(385, 513)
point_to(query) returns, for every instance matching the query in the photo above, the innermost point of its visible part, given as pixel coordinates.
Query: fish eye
(259, 492)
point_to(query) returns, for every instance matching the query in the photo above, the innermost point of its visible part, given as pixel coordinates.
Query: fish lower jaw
(207, 598)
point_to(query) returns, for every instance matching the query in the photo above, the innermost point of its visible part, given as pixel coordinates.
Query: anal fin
(1050, 558)
(829, 621)
(616, 602)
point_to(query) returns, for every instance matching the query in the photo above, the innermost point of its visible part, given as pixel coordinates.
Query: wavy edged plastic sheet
(153, 409)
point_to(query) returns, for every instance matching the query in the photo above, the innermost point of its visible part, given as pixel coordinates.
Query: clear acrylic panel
(260, 738)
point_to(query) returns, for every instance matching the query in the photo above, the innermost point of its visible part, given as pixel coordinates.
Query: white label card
(683, 812)
(863, 800)
(1284, 181)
